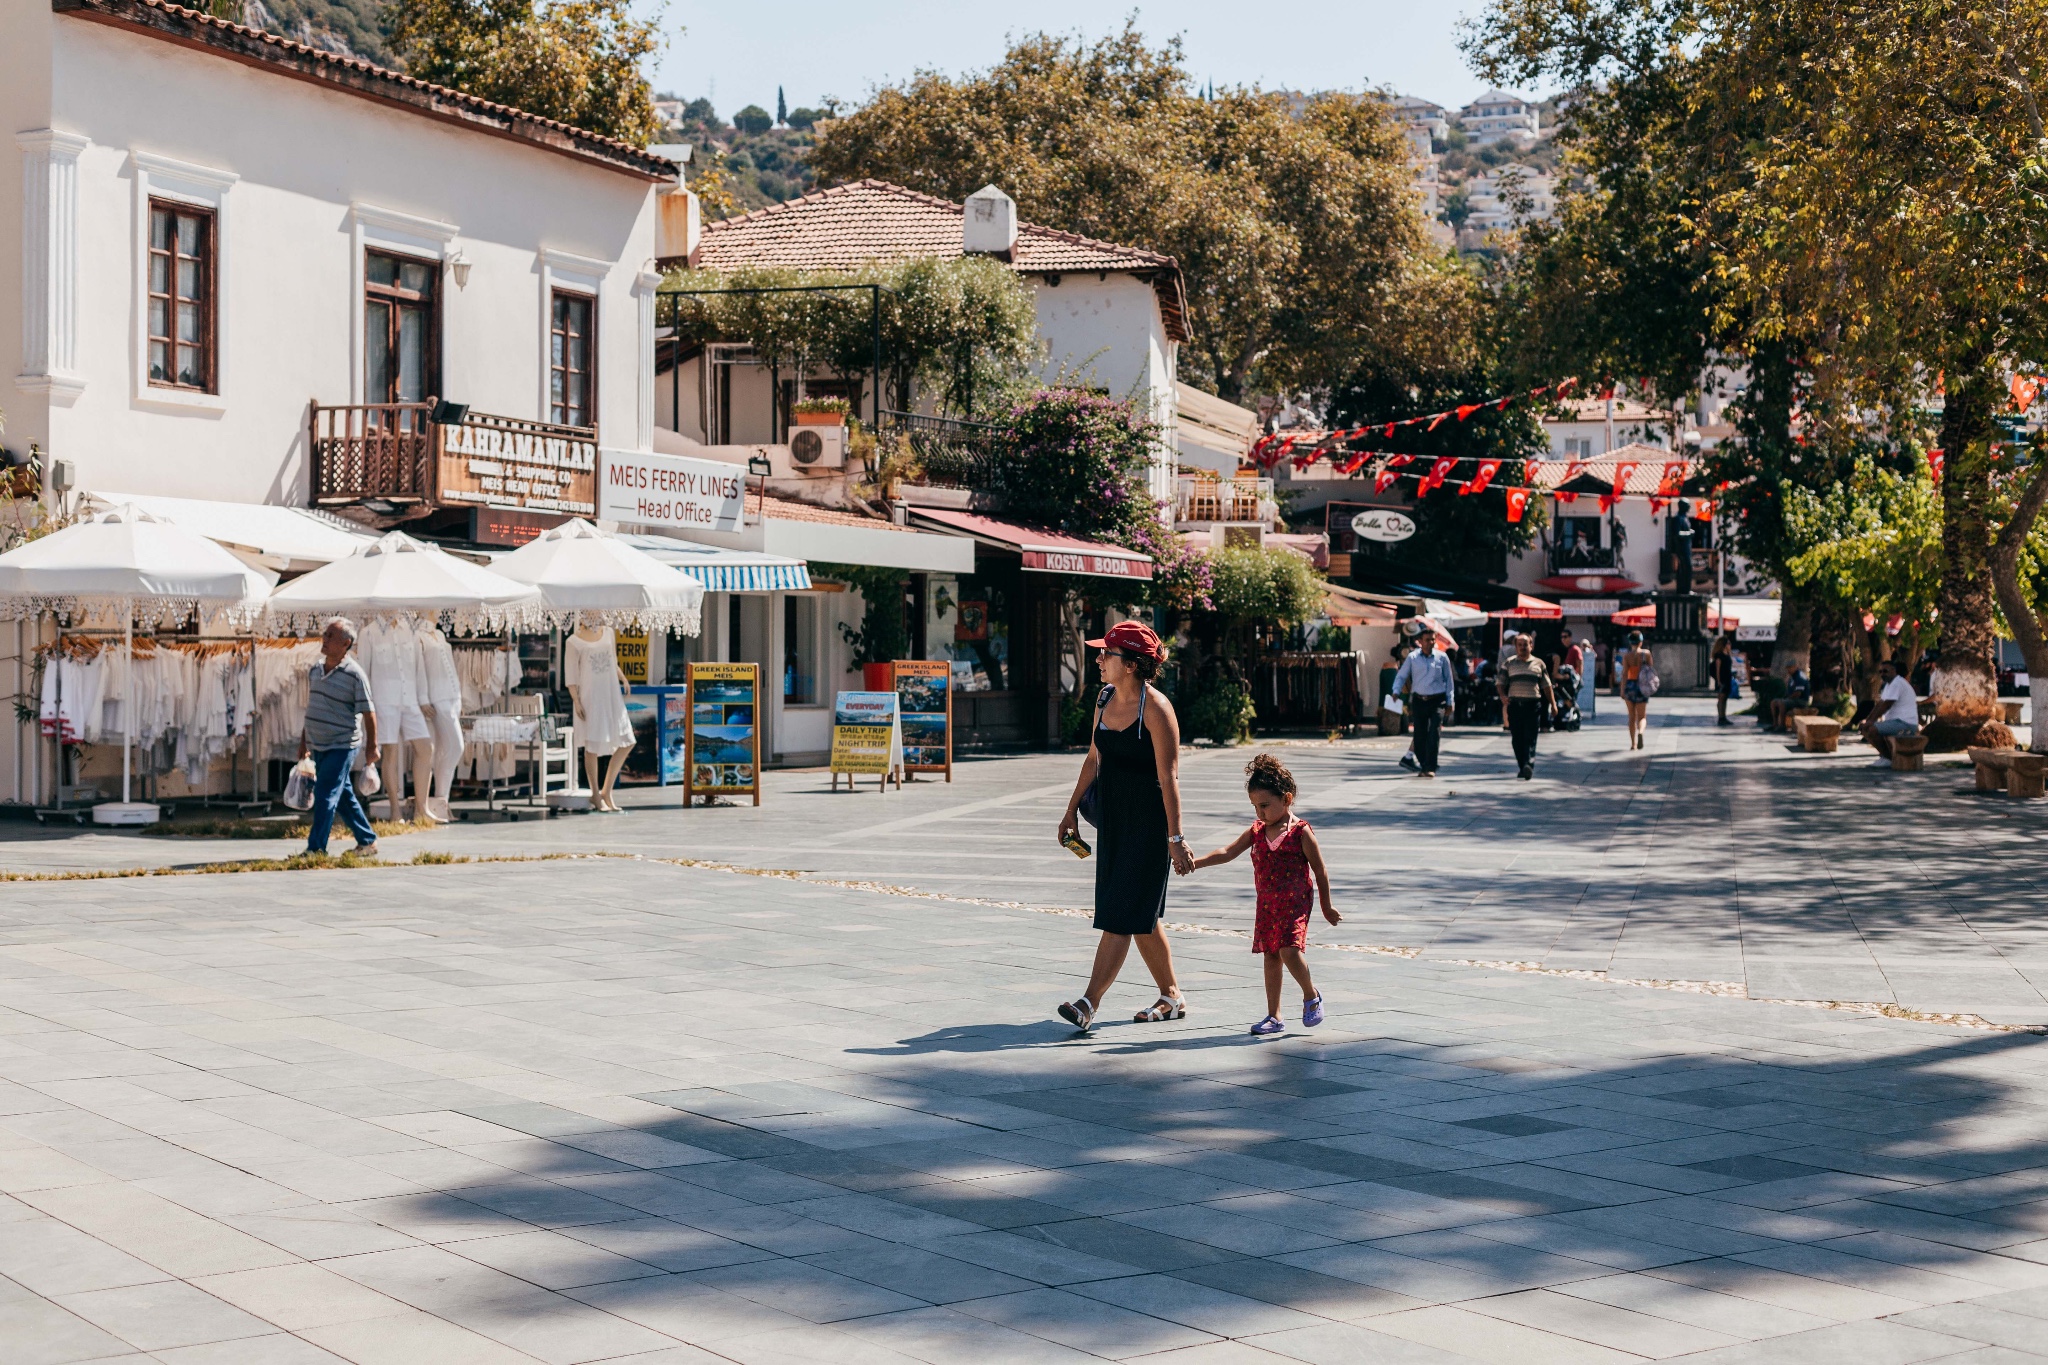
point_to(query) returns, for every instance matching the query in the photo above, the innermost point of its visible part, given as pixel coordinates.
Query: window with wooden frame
(401, 328)
(572, 360)
(181, 296)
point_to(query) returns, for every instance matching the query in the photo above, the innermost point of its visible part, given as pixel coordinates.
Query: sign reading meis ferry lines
(645, 489)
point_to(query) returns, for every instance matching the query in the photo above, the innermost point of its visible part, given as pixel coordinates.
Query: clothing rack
(1308, 688)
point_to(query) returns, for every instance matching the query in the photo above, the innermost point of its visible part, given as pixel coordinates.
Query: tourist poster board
(631, 647)
(725, 733)
(867, 737)
(924, 694)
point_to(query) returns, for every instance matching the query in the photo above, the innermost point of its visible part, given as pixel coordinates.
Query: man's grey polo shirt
(333, 701)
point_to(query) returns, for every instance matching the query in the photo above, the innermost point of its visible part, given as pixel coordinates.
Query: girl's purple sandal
(1312, 1012)
(1267, 1025)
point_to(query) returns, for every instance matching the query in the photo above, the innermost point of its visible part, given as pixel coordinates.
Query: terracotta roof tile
(788, 509)
(237, 42)
(872, 222)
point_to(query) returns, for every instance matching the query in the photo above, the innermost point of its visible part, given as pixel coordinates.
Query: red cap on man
(1130, 637)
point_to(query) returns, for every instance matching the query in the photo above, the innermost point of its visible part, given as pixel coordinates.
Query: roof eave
(294, 61)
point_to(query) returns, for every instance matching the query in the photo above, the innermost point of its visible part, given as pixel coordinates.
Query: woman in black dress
(1135, 757)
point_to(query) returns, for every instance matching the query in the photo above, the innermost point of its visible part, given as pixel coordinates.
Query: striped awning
(723, 570)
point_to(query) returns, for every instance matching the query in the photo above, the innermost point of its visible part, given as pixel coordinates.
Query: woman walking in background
(1722, 666)
(1634, 694)
(1134, 763)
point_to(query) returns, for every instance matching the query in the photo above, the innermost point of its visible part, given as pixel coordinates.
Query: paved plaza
(623, 1109)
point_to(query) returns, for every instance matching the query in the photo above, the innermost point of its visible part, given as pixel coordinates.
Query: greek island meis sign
(646, 489)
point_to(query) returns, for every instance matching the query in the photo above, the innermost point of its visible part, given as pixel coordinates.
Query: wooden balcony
(393, 458)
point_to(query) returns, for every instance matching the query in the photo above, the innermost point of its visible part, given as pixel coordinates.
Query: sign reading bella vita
(670, 490)
(1383, 524)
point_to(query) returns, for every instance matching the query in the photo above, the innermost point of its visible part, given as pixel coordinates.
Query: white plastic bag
(298, 788)
(368, 781)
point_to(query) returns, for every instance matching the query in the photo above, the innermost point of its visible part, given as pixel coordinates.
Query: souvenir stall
(99, 579)
(405, 596)
(596, 585)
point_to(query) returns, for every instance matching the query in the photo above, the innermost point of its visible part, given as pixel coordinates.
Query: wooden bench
(2026, 775)
(1991, 766)
(1817, 733)
(1792, 715)
(1907, 752)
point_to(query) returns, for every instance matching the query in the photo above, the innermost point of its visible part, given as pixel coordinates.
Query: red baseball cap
(1131, 638)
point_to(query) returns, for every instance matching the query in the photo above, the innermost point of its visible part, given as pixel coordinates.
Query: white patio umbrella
(126, 562)
(396, 575)
(582, 572)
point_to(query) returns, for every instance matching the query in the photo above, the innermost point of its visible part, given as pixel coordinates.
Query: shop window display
(974, 635)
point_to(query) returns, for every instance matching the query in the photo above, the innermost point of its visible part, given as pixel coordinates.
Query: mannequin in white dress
(390, 654)
(442, 702)
(597, 691)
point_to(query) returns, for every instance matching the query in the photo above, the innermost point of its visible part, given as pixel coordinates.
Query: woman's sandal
(1167, 1007)
(1080, 1013)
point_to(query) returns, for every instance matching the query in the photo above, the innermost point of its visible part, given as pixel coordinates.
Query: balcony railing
(1197, 499)
(374, 450)
(395, 453)
(952, 453)
(1567, 559)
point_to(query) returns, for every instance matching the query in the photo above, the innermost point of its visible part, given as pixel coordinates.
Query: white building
(1500, 114)
(247, 266)
(1502, 198)
(1430, 119)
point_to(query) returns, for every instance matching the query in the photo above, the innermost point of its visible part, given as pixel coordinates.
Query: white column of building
(49, 264)
(645, 285)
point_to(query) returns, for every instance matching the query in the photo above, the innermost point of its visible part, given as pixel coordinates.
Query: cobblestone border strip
(1734, 990)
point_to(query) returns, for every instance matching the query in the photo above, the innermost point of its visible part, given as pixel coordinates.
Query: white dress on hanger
(592, 667)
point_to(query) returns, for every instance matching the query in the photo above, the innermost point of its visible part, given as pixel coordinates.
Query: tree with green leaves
(753, 120)
(1296, 230)
(580, 62)
(961, 330)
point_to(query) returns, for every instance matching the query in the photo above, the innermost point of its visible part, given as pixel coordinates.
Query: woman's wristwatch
(1175, 839)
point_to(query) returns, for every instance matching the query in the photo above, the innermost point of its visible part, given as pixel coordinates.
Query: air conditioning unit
(816, 448)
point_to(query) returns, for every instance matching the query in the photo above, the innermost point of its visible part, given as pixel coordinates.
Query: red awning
(1043, 551)
(1645, 617)
(1529, 608)
(1591, 584)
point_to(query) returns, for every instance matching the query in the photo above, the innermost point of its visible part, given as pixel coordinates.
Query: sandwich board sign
(724, 740)
(924, 702)
(867, 737)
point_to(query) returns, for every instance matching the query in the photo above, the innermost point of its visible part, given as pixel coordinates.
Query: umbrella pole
(128, 701)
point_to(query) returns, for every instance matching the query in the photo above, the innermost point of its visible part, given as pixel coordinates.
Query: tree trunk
(1964, 686)
(1794, 647)
(2027, 628)
(1825, 667)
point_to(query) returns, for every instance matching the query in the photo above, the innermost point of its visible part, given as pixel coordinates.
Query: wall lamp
(458, 266)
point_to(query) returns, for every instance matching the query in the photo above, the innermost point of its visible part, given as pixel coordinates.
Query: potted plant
(820, 412)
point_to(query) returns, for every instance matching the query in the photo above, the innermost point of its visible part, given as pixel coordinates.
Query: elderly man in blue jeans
(339, 719)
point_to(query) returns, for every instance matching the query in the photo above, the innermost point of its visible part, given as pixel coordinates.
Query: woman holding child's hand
(1134, 763)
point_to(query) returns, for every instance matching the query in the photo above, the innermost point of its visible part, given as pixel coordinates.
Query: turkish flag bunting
(1518, 503)
(1935, 460)
(1502, 405)
(1354, 464)
(1566, 387)
(1572, 470)
(1703, 510)
(1658, 504)
(1674, 478)
(1621, 473)
(1538, 393)
(1437, 474)
(1390, 429)
(1607, 501)
(1467, 409)
(1436, 421)
(1487, 469)
(2024, 387)
(1396, 461)
(1566, 498)
(1383, 480)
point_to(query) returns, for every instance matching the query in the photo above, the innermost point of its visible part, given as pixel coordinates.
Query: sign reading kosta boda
(1383, 524)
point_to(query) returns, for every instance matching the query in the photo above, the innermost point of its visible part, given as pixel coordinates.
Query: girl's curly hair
(1267, 773)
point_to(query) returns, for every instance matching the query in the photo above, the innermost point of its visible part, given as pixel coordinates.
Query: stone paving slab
(1713, 855)
(623, 1110)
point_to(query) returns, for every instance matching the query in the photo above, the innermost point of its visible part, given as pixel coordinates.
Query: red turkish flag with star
(1437, 473)
(1518, 503)
(1478, 482)
(1384, 480)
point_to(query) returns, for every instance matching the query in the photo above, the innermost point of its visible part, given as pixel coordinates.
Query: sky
(739, 54)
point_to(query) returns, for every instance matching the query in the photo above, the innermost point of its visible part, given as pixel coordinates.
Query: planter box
(818, 419)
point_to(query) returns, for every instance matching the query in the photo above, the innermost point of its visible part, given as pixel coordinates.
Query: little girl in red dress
(1288, 870)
